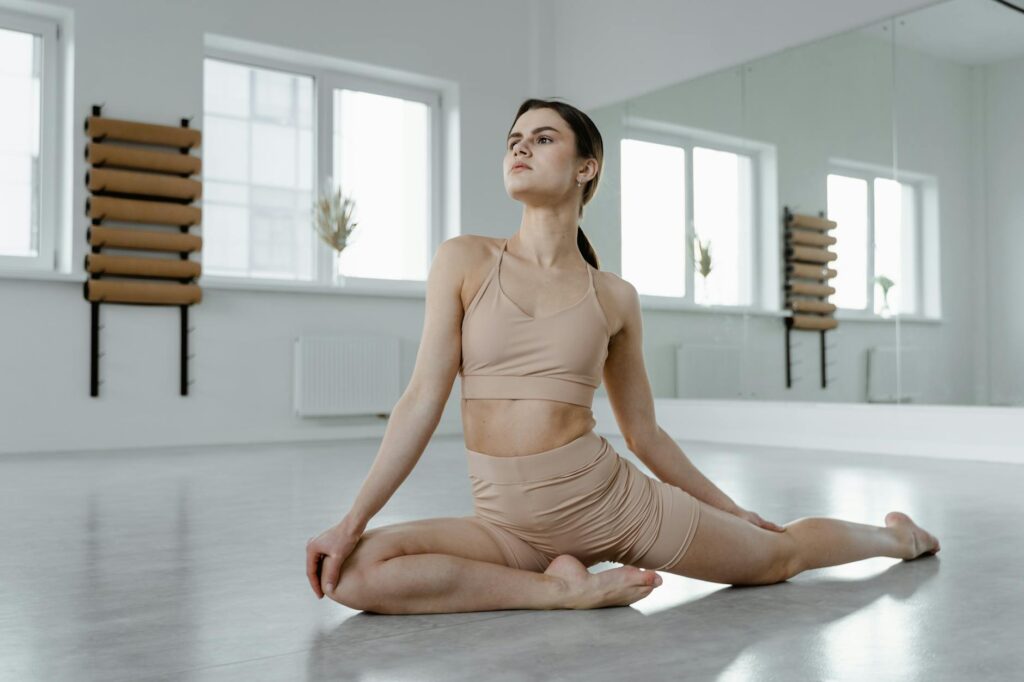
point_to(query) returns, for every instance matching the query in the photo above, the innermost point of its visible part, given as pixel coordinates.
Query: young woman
(532, 325)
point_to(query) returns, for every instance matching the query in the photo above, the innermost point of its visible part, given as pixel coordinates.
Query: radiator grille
(346, 375)
(882, 374)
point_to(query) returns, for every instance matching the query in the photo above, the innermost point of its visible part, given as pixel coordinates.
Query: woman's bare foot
(614, 587)
(919, 542)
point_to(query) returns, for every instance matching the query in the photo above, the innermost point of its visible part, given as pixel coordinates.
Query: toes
(651, 578)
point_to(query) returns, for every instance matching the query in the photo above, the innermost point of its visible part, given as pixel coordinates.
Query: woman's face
(543, 141)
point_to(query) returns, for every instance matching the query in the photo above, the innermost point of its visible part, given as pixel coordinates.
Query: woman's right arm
(417, 413)
(415, 416)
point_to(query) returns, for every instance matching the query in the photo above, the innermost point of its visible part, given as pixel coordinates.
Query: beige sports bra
(509, 354)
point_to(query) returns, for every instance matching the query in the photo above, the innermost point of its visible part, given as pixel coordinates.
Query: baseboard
(986, 434)
(182, 439)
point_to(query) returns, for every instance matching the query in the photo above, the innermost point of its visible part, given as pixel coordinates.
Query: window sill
(352, 287)
(44, 275)
(675, 305)
(662, 303)
(417, 290)
(848, 316)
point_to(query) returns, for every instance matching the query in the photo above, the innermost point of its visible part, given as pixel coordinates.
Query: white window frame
(921, 184)
(757, 288)
(48, 200)
(326, 79)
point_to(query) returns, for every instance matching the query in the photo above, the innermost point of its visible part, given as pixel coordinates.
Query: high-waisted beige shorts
(582, 499)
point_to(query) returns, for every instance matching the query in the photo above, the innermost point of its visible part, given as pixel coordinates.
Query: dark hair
(588, 145)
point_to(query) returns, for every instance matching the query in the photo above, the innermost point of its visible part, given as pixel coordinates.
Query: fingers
(312, 570)
(330, 573)
(757, 520)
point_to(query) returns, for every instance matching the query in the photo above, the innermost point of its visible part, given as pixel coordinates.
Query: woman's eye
(542, 137)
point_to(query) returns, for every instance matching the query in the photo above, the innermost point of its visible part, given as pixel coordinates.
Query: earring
(579, 184)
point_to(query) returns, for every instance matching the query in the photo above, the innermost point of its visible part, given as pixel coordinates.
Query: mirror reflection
(833, 222)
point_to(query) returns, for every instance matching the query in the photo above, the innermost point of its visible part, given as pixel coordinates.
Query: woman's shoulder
(469, 257)
(614, 287)
(469, 249)
(616, 295)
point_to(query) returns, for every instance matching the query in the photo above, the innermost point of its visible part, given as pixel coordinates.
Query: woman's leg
(828, 542)
(728, 549)
(454, 564)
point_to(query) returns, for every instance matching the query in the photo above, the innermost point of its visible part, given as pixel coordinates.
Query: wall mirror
(907, 133)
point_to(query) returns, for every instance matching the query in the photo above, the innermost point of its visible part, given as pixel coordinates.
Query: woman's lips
(515, 168)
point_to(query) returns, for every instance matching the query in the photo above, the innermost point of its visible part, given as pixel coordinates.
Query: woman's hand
(332, 546)
(755, 519)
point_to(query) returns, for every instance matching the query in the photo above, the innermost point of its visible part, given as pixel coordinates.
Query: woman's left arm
(629, 393)
(663, 456)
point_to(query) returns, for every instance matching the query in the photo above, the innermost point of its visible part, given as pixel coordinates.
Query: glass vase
(339, 279)
(702, 293)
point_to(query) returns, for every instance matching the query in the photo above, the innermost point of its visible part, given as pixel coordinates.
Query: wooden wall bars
(134, 184)
(807, 260)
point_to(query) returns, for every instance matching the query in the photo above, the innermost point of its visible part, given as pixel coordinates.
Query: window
(257, 172)
(678, 189)
(381, 155)
(653, 217)
(28, 131)
(877, 241)
(277, 136)
(722, 196)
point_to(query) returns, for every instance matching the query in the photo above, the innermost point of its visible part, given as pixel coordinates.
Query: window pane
(228, 245)
(907, 293)
(653, 214)
(226, 89)
(848, 206)
(895, 216)
(226, 149)
(382, 161)
(20, 69)
(258, 172)
(722, 214)
(274, 96)
(274, 155)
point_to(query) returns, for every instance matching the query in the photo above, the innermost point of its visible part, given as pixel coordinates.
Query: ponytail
(586, 248)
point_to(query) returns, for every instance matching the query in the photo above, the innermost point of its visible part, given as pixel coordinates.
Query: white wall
(1004, 214)
(682, 39)
(143, 60)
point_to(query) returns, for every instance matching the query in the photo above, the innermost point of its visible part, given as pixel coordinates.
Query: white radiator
(708, 371)
(882, 374)
(346, 375)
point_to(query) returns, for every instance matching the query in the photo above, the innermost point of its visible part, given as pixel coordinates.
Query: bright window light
(653, 214)
(20, 82)
(848, 207)
(382, 161)
(895, 216)
(722, 213)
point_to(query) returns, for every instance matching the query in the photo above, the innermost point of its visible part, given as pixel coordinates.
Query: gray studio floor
(188, 564)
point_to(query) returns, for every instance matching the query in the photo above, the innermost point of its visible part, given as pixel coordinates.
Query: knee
(789, 561)
(783, 564)
(354, 589)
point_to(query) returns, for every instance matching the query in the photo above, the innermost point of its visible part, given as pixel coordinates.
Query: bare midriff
(509, 428)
